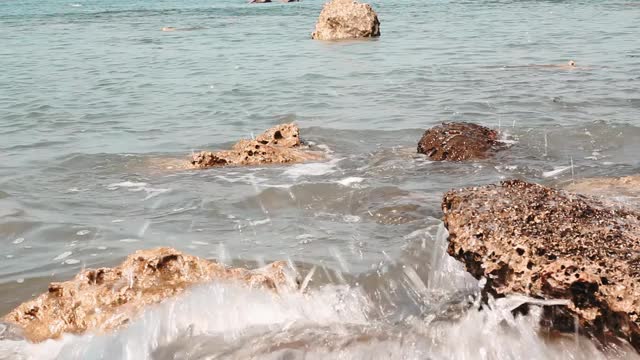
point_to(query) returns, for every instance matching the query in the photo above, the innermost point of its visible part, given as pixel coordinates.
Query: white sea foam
(556, 171)
(226, 310)
(259, 222)
(312, 169)
(231, 321)
(126, 184)
(153, 192)
(138, 186)
(350, 181)
(64, 255)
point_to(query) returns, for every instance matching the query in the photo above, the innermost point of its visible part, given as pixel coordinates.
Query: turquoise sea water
(94, 98)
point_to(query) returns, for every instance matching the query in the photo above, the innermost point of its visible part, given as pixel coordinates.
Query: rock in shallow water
(346, 19)
(107, 298)
(547, 243)
(278, 145)
(623, 189)
(458, 141)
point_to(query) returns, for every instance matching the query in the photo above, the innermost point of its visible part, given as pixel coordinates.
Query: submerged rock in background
(107, 298)
(346, 19)
(458, 141)
(278, 145)
(622, 189)
(546, 243)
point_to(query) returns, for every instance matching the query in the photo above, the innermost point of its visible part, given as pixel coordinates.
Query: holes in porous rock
(277, 135)
(33, 312)
(583, 293)
(540, 251)
(96, 277)
(604, 281)
(166, 260)
(552, 257)
(520, 251)
(530, 265)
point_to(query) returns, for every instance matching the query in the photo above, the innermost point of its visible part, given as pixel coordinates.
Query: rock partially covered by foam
(104, 299)
(458, 141)
(346, 19)
(546, 243)
(278, 145)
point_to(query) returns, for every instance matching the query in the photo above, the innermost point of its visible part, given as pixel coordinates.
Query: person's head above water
(572, 63)
(168, 28)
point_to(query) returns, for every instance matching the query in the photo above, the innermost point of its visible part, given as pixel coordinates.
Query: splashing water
(329, 321)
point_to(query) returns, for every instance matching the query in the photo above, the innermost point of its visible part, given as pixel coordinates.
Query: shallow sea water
(96, 101)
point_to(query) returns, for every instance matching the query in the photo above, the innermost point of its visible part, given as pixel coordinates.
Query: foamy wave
(350, 181)
(138, 186)
(312, 169)
(126, 184)
(556, 171)
(223, 311)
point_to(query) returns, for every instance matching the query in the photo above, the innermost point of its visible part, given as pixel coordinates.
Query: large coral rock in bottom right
(546, 243)
(346, 19)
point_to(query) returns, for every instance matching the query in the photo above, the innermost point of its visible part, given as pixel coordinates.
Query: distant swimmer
(168, 28)
(570, 65)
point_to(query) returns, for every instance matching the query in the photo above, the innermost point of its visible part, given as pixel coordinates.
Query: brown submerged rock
(546, 243)
(622, 189)
(278, 145)
(107, 298)
(458, 141)
(346, 19)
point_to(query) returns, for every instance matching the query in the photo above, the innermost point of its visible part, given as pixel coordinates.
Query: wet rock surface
(459, 141)
(278, 145)
(546, 243)
(346, 19)
(107, 298)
